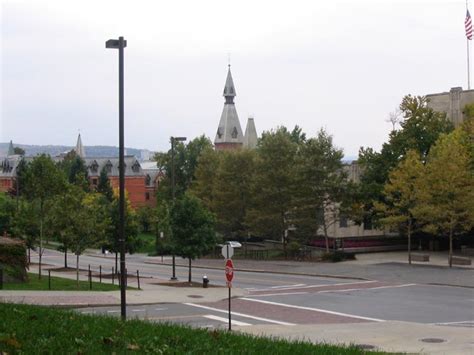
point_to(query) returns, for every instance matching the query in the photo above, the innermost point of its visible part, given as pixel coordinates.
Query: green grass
(36, 330)
(57, 284)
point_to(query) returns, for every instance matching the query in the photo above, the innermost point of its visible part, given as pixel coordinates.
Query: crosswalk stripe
(226, 320)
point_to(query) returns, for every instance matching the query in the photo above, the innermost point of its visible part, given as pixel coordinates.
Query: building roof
(132, 166)
(8, 166)
(250, 137)
(229, 129)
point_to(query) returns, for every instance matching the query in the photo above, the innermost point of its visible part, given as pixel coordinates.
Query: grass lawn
(57, 284)
(32, 329)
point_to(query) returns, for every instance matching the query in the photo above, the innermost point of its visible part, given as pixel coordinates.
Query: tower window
(234, 133)
(219, 132)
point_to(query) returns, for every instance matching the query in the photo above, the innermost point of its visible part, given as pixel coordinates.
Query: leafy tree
(447, 194)
(274, 183)
(233, 192)
(43, 182)
(7, 211)
(104, 187)
(132, 242)
(322, 186)
(26, 225)
(401, 193)
(192, 227)
(75, 169)
(185, 162)
(205, 177)
(419, 130)
(19, 151)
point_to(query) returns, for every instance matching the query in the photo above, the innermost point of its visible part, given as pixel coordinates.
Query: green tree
(75, 169)
(26, 225)
(104, 187)
(401, 193)
(447, 194)
(7, 212)
(419, 130)
(321, 186)
(18, 151)
(43, 182)
(185, 162)
(205, 177)
(273, 189)
(192, 227)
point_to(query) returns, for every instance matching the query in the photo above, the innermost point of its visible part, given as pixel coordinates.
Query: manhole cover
(433, 340)
(365, 346)
(195, 296)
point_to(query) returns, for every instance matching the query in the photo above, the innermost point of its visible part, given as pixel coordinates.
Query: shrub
(13, 259)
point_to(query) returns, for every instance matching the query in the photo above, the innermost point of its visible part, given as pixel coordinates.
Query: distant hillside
(98, 151)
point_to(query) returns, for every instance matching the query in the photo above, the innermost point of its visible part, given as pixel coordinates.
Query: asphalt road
(295, 299)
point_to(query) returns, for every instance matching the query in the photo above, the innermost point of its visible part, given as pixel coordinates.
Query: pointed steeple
(80, 148)
(229, 133)
(11, 150)
(251, 137)
(229, 88)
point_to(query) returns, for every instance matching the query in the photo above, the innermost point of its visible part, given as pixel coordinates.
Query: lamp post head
(115, 43)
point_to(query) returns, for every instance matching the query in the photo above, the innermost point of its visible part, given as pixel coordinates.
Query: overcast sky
(340, 65)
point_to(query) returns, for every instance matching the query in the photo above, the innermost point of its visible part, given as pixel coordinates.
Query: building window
(108, 167)
(94, 167)
(234, 132)
(342, 221)
(136, 167)
(148, 180)
(147, 196)
(219, 133)
(94, 182)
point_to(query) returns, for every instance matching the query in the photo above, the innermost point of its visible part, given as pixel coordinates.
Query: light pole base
(174, 278)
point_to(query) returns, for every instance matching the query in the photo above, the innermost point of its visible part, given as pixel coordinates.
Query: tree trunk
(451, 247)
(77, 270)
(189, 276)
(409, 241)
(65, 257)
(326, 238)
(41, 240)
(29, 256)
(116, 262)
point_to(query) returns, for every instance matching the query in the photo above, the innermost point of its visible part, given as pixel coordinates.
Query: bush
(337, 256)
(13, 259)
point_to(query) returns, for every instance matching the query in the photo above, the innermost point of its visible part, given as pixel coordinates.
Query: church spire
(80, 148)
(251, 137)
(229, 132)
(229, 88)
(11, 150)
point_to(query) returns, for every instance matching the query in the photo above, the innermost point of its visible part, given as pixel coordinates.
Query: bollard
(138, 279)
(1, 278)
(205, 281)
(49, 279)
(100, 273)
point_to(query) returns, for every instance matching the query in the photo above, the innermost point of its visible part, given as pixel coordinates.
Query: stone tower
(229, 133)
(80, 151)
(250, 138)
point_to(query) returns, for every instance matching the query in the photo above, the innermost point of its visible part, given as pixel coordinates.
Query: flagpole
(468, 62)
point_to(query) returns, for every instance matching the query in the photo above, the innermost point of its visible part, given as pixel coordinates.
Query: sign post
(227, 252)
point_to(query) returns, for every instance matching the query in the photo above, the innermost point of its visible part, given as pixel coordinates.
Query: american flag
(468, 25)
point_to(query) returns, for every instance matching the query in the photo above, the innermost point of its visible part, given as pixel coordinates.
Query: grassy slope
(57, 284)
(32, 329)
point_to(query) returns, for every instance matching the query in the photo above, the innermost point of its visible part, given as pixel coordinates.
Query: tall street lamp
(173, 189)
(120, 44)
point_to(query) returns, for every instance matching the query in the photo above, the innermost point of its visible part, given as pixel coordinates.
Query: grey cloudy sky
(340, 65)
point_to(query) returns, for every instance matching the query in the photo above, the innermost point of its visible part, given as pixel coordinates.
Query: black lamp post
(120, 44)
(173, 189)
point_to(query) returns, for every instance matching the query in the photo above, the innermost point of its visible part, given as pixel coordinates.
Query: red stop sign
(229, 270)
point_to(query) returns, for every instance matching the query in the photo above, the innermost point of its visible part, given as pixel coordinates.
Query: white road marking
(281, 294)
(368, 288)
(161, 309)
(225, 320)
(240, 314)
(314, 309)
(318, 286)
(113, 311)
(138, 310)
(449, 323)
(288, 286)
